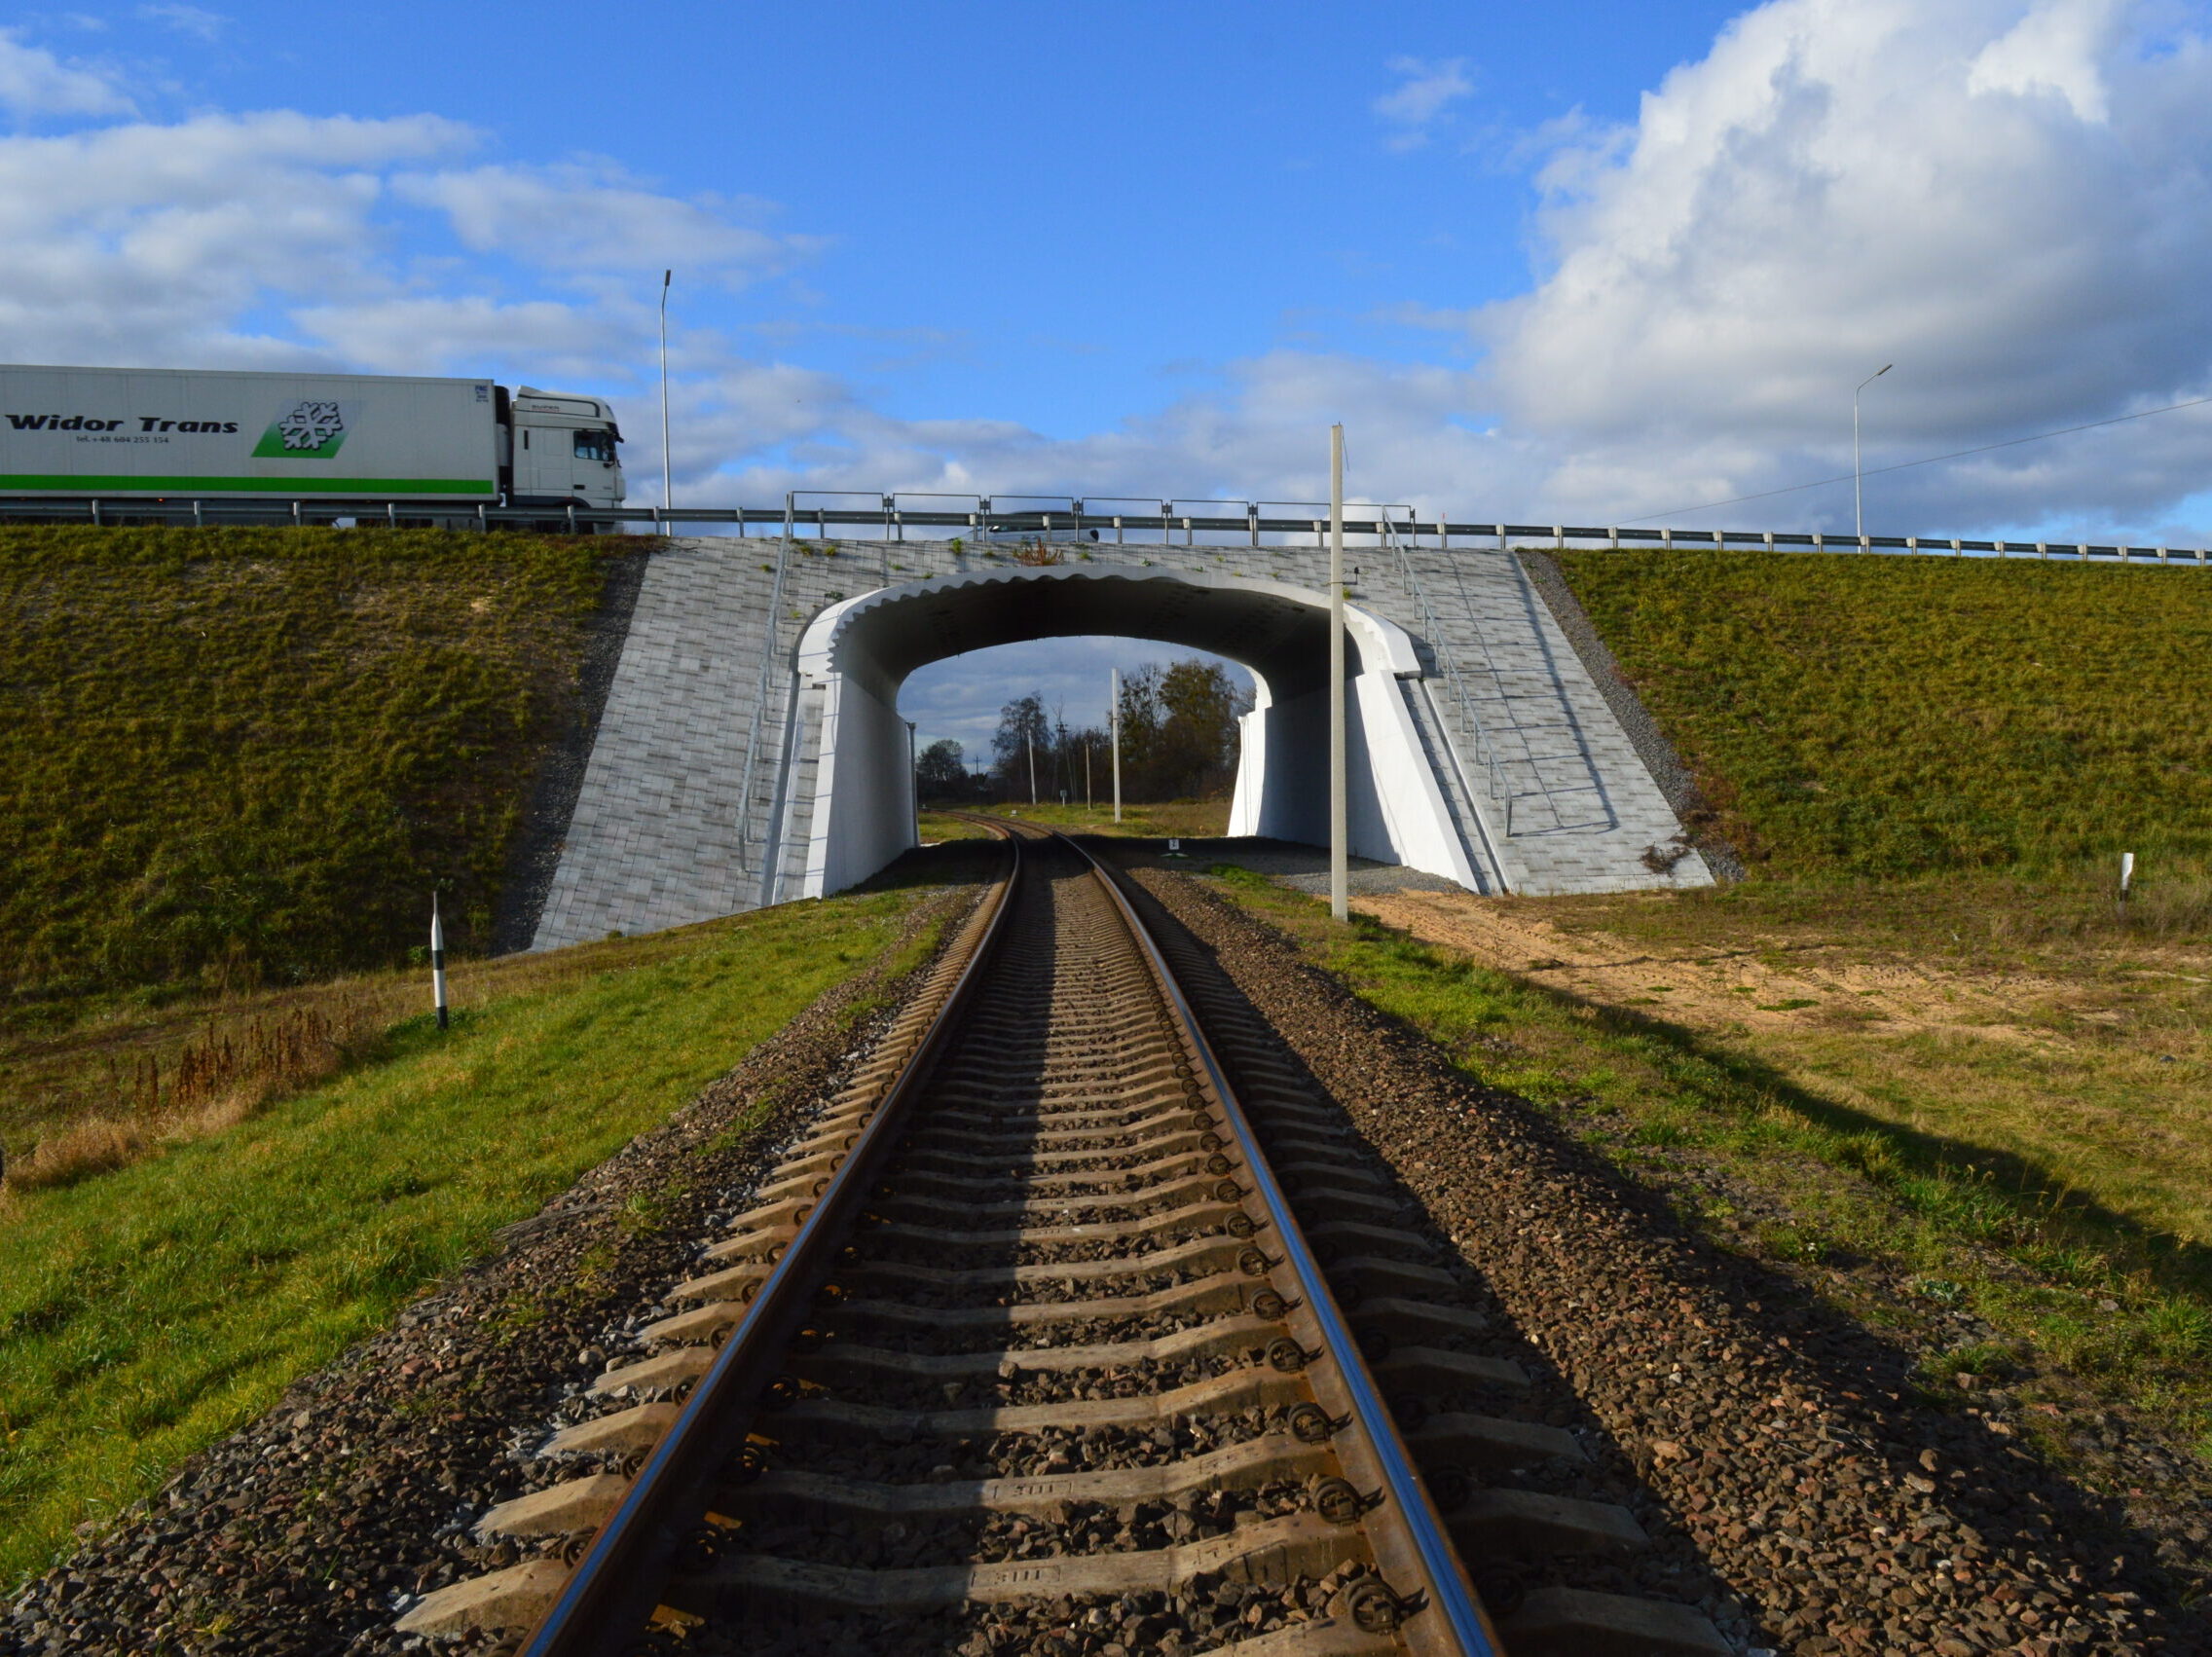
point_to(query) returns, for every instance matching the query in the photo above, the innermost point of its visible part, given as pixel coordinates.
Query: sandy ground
(1754, 986)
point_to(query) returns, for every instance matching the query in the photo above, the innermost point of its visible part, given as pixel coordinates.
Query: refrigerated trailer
(72, 436)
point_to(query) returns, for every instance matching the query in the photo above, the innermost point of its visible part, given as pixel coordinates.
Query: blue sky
(1589, 262)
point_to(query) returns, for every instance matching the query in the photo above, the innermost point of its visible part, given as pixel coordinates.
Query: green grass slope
(148, 1311)
(1882, 717)
(240, 756)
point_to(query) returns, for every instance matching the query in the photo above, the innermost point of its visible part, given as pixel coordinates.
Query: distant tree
(941, 771)
(1179, 729)
(1023, 739)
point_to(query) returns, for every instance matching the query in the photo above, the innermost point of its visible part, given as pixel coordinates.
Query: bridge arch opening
(858, 814)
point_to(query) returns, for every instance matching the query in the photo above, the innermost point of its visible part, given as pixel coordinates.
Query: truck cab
(557, 449)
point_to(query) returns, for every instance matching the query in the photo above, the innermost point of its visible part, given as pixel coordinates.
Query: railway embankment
(148, 1311)
(234, 758)
(1804, 1453)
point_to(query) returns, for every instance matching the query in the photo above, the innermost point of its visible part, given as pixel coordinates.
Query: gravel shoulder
(304, 1532)
(1786, 1449)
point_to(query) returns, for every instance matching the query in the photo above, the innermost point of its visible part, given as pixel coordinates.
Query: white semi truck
(75, 436)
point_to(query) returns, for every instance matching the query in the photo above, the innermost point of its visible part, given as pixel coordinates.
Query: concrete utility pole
(1113, 724)
(1339, 866)
(1858, 476)
(667, 499)
(1087, 804)
(1029, 746)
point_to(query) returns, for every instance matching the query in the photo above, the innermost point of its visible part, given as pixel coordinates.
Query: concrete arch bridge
(750, 750)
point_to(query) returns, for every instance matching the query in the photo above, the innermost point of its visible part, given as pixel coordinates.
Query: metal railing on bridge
(821, 514)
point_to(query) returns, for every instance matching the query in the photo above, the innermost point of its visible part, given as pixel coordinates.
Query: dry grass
(131, 1079)
(2054, 1188)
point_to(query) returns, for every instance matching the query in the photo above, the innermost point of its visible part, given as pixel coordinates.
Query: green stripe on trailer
(300, 487)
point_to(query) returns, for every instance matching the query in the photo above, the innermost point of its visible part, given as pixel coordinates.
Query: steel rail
(614, 1586)
(1450, 1593)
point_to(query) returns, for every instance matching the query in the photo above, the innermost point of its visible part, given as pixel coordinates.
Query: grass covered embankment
(1921, 1036)
(238, 756)
(1193, 819)
(1890, 717)
(149, 1310)
(2036, 1292)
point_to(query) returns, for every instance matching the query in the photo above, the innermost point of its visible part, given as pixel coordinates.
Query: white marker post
(1029, 746)
(1340, 866)
(438, 962)
(2126, 879)
(1113, 724)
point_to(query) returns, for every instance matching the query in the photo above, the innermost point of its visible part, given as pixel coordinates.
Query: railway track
(1069, 1326)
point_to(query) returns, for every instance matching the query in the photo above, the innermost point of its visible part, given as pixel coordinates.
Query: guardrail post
(896, 521)
(791, 516)
(1770, 541)
(1820, 541)
(199, 520)
(1117, 529)
(1252, 523)
(1666, 540)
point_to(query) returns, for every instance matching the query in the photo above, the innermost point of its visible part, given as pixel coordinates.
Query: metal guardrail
(986, 517)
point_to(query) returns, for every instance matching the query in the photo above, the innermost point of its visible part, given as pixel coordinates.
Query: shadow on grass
(2013, 1498)
(1987, 1193)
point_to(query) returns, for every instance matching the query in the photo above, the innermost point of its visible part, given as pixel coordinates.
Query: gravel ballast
(1768, 1442)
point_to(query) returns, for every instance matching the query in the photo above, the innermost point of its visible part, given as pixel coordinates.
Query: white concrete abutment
(751, 750)
(858, 651)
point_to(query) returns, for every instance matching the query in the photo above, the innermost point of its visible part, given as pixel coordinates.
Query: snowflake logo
(310, 426)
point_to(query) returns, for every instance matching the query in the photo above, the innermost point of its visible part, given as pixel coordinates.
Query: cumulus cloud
(2012, 202)
(35, 83)
(142, 243)
(1426, 90)
(584, 218)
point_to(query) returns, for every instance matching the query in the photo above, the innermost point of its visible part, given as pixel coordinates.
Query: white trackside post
(1340, 868)
(1113, 724)
(1029, 746)
(438, 962)
(2126, 880)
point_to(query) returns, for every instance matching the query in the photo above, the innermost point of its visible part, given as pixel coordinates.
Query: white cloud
(34, 82)
(187, 20)
(140, 243)
(599, 219)
(1426, 90)
(2012, 202)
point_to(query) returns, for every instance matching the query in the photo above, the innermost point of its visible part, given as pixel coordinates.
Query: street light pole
(1858, 499)
(666, 497)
